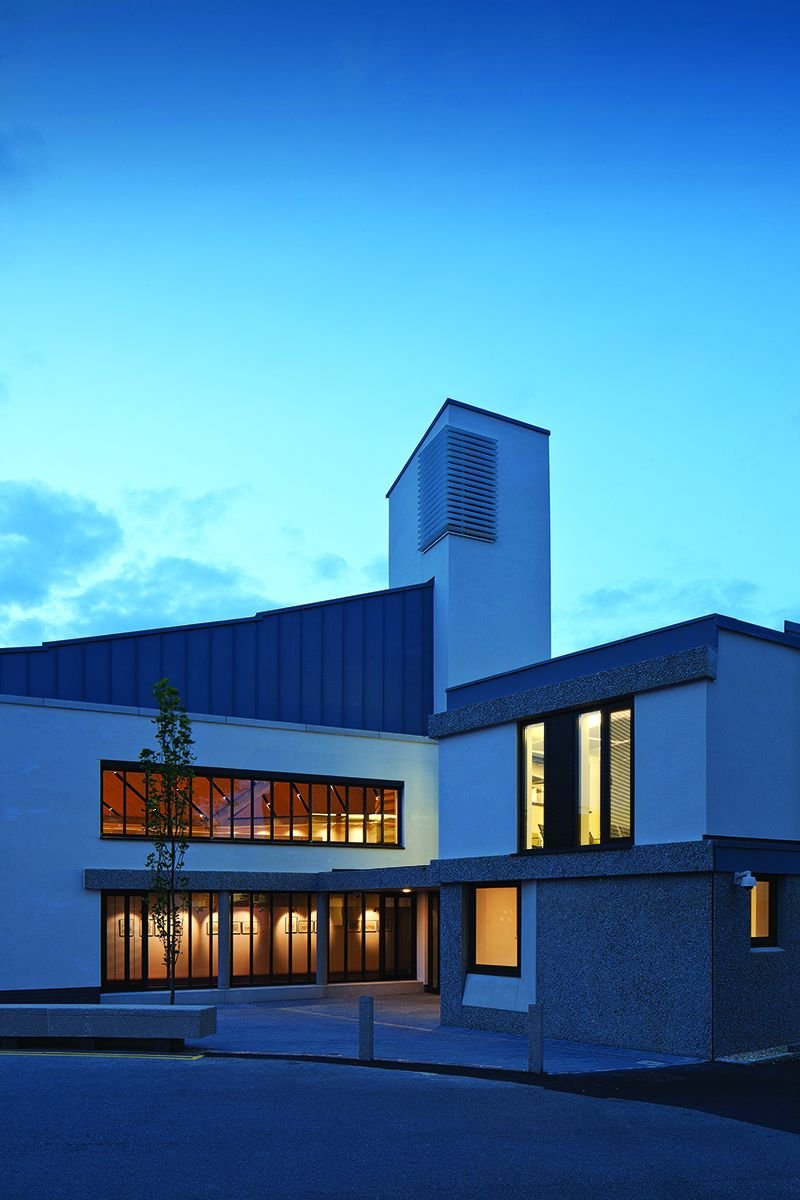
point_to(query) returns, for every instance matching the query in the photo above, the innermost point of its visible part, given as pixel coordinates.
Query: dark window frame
(334, 783)
(145, 983)
(571, 816)
(474, 967)
(760, 943)
(290, 978)
(355, 973)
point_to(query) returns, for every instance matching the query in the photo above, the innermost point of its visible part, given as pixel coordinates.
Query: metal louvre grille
(457, 487)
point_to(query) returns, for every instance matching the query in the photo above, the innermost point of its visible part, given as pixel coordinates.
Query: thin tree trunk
(173, 928)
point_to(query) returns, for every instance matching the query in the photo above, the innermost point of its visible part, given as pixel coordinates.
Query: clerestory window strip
(261, 807)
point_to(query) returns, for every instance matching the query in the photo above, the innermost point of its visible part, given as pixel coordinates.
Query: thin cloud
(329, 566)
(165, 515)
(168, 591)
(615, 612)
(292, 533)
(377, 571)
(47, 538)
(69, 569)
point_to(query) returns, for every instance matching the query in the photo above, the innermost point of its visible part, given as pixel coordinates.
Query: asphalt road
(175, 1129)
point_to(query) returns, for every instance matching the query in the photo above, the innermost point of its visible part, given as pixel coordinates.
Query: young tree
(169, 795)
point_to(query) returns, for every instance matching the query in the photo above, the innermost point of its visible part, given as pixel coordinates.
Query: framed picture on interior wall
(354, 925)
(287, 926)
(371, 926)
(249, 926)
(212, 926)
(123, 930)
(238, 927)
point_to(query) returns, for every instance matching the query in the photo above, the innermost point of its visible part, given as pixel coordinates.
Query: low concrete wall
(92, 1021)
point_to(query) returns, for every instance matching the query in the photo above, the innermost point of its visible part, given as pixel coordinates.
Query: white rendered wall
(491, 599)
(50, 819)
(511, 992)
(478, 798)
(422, 936)
(479, 792)
(754, 740)
(670, 752)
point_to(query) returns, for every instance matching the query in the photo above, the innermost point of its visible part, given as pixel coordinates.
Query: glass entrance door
(372, 936)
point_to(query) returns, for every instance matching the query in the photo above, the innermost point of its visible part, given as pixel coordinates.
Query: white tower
(471, 508)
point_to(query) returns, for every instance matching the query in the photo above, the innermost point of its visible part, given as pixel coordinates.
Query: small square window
(495, 930)
(763, 925)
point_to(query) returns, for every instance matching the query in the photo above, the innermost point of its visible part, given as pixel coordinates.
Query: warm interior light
(759, 910)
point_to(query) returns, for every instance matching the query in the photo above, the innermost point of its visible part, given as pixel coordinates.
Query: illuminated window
(372, 935)
(496, 930)
(259, 808)
(586, 760)
(534, 765)
(132, 956)
(763, 931)
(273, 938)
(589, 727)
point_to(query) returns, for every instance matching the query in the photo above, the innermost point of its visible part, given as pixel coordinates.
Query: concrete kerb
(498, 1074)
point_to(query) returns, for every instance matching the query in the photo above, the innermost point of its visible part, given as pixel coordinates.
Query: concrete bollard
(535, 1040)
(366, 1028)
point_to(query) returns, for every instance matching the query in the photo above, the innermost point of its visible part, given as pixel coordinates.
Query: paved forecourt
(407, 1030)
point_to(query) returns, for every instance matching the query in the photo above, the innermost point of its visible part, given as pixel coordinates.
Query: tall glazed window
(372, 935)
(534, 785)
(273, 938)
(589, 777)
(619, 766)
(133, 957)
(586, 759)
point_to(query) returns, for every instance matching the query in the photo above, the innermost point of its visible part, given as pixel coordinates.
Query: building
(388, 797)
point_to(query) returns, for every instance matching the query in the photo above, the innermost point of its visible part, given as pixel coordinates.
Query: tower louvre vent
(457, 487)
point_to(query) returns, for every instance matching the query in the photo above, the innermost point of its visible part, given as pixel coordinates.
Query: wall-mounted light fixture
(745, 879)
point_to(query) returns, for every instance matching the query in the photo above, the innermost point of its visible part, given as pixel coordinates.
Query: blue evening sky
(247, 249)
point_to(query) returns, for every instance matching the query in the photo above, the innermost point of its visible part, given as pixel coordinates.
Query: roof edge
(732, 624)
(647, 675)
(485, 412)
(267, 612)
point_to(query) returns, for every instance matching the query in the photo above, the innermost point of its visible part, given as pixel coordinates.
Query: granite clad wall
(756, 992)
(627, 962)
(453, 926)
